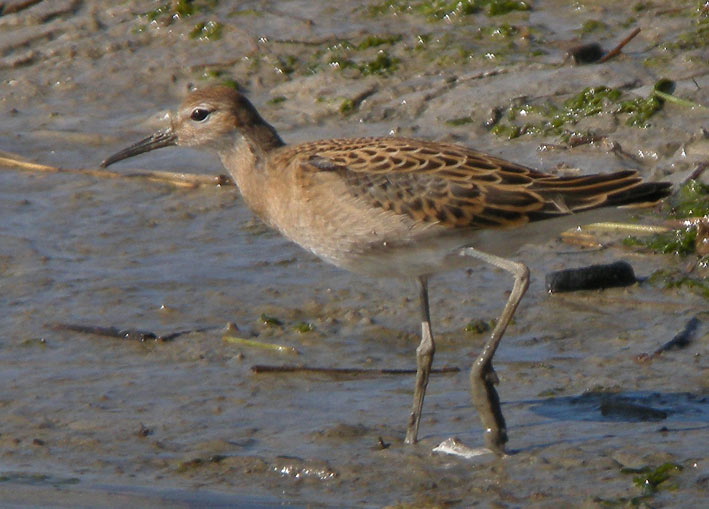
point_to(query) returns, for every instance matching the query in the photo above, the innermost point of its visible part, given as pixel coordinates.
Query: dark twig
(698, 171)
(615, 51)
(681, 339)
(131, 334)
(262, 368)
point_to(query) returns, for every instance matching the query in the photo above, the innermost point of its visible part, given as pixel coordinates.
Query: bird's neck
(262, 136)
(254, 139)
(247, 162)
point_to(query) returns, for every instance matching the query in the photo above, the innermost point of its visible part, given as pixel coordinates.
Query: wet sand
(93, 421)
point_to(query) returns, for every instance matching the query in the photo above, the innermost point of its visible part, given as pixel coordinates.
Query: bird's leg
(424, 359)
(482, 375)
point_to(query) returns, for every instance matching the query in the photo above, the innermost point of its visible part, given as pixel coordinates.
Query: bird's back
(454, 186)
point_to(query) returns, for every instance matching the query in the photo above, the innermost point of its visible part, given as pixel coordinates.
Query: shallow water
(95, 421)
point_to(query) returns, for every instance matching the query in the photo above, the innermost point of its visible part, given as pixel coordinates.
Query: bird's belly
(397, 255)
(408, 261)
(405, 251)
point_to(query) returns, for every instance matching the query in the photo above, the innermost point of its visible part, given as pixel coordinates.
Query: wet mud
(92, 420)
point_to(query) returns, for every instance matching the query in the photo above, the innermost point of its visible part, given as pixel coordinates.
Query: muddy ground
(88, 420)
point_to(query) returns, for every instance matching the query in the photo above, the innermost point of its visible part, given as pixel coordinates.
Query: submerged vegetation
(447, 9)
(463, 32)
(372, 54)
(550, 118)
(668, 279)
(690, 201)
(167, 13)
(679, 242)
(691, 205)
(207, 31)
(479, 326)
(650, 480)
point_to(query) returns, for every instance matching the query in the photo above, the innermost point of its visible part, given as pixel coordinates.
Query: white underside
(440, 254)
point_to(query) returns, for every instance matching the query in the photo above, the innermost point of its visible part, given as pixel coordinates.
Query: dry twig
(177, 179)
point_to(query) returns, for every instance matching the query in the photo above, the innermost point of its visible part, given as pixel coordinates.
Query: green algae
(221, 77)
(207, 31)
(640, 109)
(277, 100)
(383, 63)
(347, 106)
(503, 31)
(479, 326)
(303, 327)
(679, 242)
(361, 57)
(435, 10)
(168, 12)
(385, 54)
(650, 478)
(373, 41)
(37, 479)
(482, 44)
(33, 342)
(556, 119)
(173, 10)
(343, 57)
(455, 122)
(270, 321)
(589, 102)
(691, 200)
(697, 37)
(678, 279)
(500, 7)
(287, 64)
(592, 25)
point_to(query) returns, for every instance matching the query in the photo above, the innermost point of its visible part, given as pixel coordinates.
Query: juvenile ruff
(397, 207)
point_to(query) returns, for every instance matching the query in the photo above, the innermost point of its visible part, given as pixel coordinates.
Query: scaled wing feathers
(458, 187)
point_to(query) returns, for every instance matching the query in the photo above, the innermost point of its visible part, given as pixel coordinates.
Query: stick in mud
(263, 368)
(615, 51)
(681, 339)
(131, 334)
(176, 178)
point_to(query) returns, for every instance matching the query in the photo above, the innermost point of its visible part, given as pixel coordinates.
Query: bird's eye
(199, 114)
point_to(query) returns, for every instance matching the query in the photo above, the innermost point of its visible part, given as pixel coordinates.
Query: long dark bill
(163, 138)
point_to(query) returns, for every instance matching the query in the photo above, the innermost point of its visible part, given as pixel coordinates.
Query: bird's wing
(454, 186)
